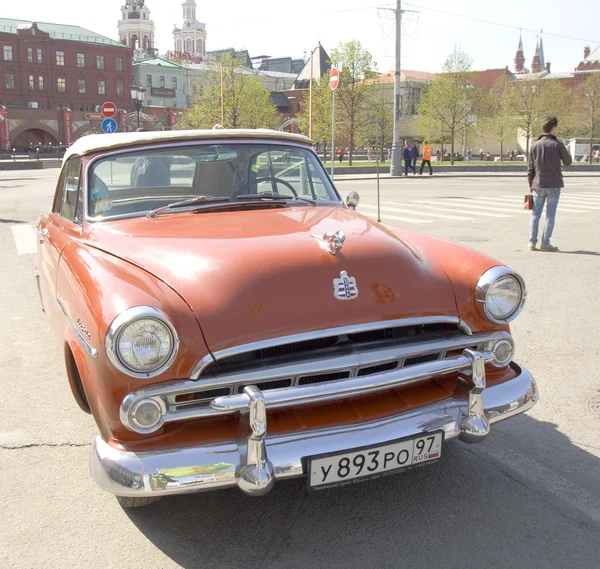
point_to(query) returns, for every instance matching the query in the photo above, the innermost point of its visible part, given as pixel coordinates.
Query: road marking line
(418, 212)
(397, 218)
(473, 209)
(24, 236)
(564, 207)
(478, 203)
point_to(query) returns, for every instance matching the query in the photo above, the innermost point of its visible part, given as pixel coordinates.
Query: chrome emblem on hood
(333, 242)
(345, 287)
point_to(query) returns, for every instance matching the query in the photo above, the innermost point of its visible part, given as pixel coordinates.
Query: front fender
(93, 288)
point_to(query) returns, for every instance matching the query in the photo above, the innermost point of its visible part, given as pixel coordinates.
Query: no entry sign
(334, 78)
(109, 109)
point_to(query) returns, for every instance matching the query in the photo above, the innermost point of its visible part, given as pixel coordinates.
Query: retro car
(229, 320)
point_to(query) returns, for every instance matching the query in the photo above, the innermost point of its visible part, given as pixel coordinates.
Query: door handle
(43, 233)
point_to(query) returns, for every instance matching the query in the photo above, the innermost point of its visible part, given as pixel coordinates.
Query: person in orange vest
(426, 158)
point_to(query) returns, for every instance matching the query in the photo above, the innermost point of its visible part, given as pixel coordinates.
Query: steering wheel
(272, 179)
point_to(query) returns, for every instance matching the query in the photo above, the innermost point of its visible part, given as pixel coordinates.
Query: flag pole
(310, 84)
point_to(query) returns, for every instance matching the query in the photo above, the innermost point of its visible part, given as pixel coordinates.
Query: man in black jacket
(545, 181)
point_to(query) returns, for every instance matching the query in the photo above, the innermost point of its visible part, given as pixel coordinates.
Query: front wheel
(126, 502)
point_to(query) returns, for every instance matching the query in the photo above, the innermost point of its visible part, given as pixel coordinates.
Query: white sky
(273, 27)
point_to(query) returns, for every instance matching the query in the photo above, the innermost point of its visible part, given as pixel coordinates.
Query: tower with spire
(538, 63)
(136, 29)
(190, 38)
(520, 56)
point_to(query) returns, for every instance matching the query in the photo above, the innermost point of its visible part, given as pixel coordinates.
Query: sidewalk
(386, 175)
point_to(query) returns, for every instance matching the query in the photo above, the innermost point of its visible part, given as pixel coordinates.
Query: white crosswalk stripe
(563, 207)
(24, 236)
(416, 211)
(385, 216)
(479, 203)
(474, 209)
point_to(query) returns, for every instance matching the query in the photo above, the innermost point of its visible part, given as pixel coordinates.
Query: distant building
(189, 40)
(136, 29)
(52, 74)
(165, 82)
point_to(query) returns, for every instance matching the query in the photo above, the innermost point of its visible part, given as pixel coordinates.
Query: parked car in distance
(229, 321)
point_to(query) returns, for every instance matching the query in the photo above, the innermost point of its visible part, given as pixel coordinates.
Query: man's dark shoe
(549, 248)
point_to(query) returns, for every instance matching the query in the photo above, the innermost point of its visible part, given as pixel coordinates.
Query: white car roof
(93, 143)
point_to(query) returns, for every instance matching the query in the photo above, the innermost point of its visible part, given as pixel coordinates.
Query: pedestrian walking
(437, 154)
(407, 155)
(545, 181)
(415, 157)
(369, 154)
(426, 158)
(481, 154)
(470, 153)
(340, 153)
(389, 154)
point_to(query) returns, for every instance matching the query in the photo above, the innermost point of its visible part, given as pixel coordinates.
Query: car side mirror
(353, 200)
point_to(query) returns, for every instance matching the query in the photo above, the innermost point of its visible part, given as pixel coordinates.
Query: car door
(56, 230)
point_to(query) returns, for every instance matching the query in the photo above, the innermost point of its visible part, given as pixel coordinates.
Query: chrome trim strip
(326, 333)
(230, 464)
(199, 367)
(84, 343)
(147, 146)
(166, 393)
(36, 276)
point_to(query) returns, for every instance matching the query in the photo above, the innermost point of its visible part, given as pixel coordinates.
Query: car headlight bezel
(487, 281)
(118, 326)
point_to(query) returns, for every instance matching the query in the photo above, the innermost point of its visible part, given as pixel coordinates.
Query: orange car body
(227, 280)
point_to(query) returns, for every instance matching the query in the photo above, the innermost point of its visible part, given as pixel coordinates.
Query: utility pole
(396, 165)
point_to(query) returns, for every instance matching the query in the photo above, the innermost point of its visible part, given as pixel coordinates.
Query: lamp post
(138, 94)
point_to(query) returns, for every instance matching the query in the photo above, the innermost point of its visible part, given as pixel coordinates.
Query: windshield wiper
(274, 196)
(191, 201)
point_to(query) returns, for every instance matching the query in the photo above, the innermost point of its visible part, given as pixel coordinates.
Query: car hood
(258, 274)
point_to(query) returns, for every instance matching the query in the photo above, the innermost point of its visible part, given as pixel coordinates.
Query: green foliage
(494, 113)
(380, 125)
(448, 102)
(352, 96)
(530, 101)
(322, 97)
(585, 116)
(247, 104)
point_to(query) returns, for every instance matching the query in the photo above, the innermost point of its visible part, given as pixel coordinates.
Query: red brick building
(59, 68)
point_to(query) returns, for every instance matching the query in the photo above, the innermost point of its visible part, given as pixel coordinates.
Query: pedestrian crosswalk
(424, 211)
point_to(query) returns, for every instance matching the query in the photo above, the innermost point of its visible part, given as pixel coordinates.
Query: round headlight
(141, 342)
(501, 292)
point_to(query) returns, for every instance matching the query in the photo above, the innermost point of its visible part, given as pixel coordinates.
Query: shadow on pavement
(470, 510)
(11, 220)
(594, 253)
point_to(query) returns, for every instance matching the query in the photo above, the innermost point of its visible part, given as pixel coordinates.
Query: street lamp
(137, 96)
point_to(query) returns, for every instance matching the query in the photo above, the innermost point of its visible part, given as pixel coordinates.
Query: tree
(352, 97)
(246, 103)
(381, 117)
(494, 114)
(322, 98)
(587, 110)
(446, 104)
(529, 101)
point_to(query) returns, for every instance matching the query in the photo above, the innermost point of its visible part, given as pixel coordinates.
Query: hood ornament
(345, 287)
(333, 242)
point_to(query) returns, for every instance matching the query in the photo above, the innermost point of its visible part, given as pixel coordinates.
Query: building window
(178, 45)
(162, 103)
(119, 63)
(189, 45)
(61, 84)
(60, 58)
(30, 54)
(39, 55)
(161, 82)
(10, 80)
(31, 83)
(40, 83)
(99, 62)
(8, 53)
(148, 80)
(81, 60)
(174, 82)
(120, 89)
(81, 86)
(101, 87)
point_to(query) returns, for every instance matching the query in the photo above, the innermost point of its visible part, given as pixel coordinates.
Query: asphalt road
(529, 496)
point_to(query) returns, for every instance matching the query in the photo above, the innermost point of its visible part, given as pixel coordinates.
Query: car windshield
(138, 182)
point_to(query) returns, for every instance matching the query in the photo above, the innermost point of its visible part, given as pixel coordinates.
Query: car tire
(126, 502)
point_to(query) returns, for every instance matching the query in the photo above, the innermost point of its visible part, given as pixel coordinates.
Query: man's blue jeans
(540, 197)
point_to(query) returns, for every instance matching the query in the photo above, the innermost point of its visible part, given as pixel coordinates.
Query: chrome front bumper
(255, 461)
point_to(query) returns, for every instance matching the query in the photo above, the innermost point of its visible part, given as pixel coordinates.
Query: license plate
(368, 462)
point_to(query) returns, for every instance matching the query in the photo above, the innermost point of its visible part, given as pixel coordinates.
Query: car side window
(71, 189)
(57, 203)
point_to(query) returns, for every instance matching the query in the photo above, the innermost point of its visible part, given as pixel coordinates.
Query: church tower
(190, 38)
(136, 29)
(538, 62)
(520, 57)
